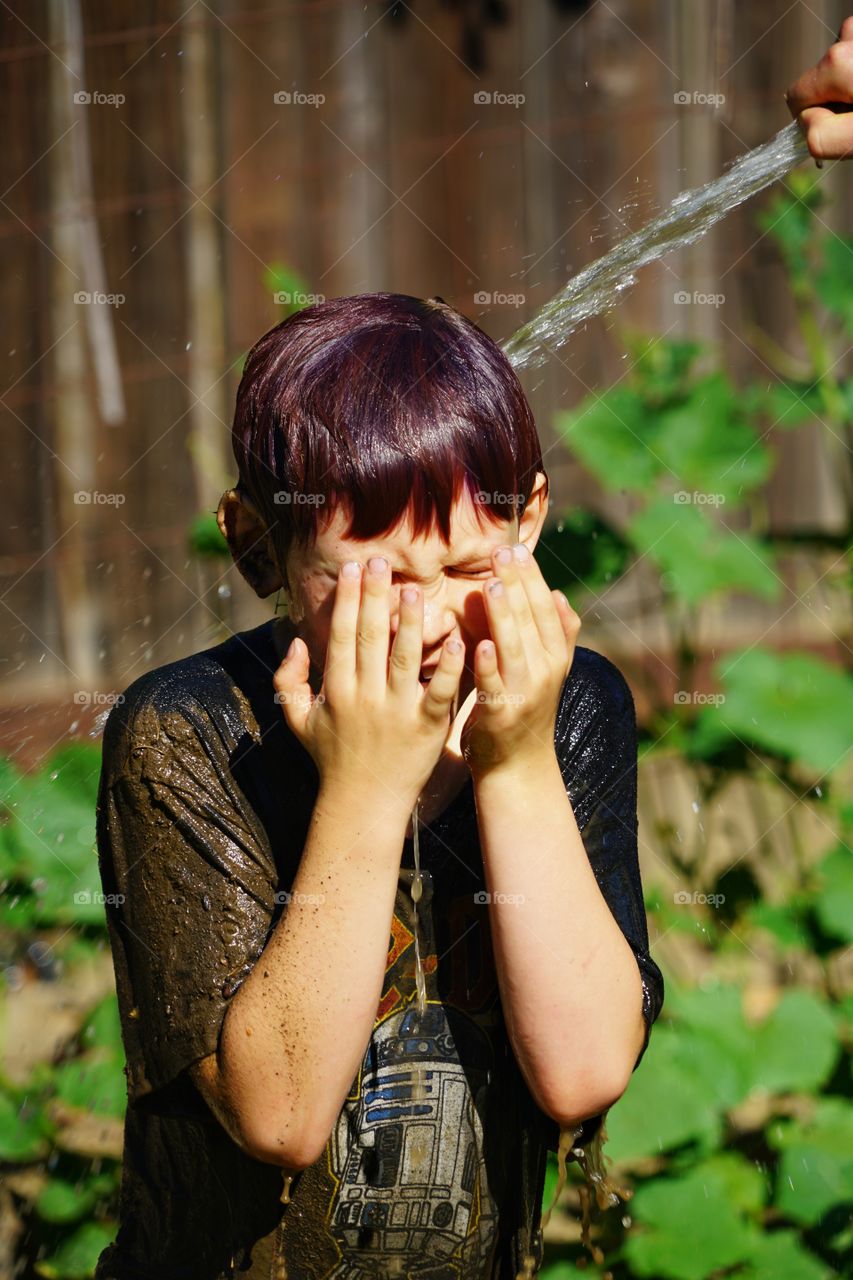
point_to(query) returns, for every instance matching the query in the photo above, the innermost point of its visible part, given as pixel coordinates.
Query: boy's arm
(295, 1034)
(188, 865)
(579, 988)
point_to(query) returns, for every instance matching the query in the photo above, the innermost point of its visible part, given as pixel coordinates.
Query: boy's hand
(519, 676)
(828, 132)
(374, 731)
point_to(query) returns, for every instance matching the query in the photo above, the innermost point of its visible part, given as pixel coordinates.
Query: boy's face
(451, 577)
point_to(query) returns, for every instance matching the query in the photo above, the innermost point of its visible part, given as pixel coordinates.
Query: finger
(828, 81)
(511, 656)
(490, 686)
(293, 692)
(340, 652)
(374, 628)
(407, 649)
(543, 606)
(510, 575)
(829, 134)
(442, 688)
(569, 621)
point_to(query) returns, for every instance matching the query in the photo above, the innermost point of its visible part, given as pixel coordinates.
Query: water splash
(600, 285)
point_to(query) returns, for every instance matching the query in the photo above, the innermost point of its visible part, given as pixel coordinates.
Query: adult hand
(821, 100)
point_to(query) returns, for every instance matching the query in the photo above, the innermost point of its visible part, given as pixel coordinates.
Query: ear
(249, 542)
(533, 518)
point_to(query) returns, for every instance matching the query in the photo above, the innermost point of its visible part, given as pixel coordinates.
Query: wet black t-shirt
(435, 1167)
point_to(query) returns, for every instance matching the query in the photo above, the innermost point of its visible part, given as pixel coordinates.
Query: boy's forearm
(569, 981)
(296, 1031)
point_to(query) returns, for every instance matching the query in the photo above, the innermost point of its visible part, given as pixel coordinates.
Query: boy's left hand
(829, 133)
(521, 672)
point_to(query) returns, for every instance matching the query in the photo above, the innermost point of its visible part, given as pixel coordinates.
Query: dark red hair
(383, 404)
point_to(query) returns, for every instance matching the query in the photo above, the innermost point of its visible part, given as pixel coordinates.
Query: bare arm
(296, 1031)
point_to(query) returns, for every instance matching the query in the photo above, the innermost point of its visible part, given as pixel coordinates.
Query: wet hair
(385, 405)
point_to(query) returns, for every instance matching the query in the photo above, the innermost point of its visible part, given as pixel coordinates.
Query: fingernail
(377, 564)
(453, 646)
(504, 555)
(409, 594)
(522, 555)
(351, 569)
(496, 589)
(290, 648)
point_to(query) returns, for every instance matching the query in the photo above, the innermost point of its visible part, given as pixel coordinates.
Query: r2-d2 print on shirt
(412, 1196)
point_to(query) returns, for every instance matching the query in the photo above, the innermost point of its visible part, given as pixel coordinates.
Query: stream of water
(601, 285)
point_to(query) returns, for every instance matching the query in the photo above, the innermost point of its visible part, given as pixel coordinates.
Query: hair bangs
(385, 406)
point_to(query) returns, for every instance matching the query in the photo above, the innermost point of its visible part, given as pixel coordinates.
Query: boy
(342, 1062)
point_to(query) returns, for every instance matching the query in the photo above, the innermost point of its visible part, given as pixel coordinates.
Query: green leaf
(660, 367)
(788, 404)
(789, 220)
(284, 281)
(816, 1166)
(102, 1028)
(834, 282)
(614, 438)
(780, 1256)
(782, 921)
(834, 901)
(63, 1201)
(692, 1227)
(24, 1130)
(76, 1257)
(697, 555)
(793, 704)
(581, 552)
(205, 538)
(94, 1081)
(709, 445)
(779, 1064)
(665, 1105)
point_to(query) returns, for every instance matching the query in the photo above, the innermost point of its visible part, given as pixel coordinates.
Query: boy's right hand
(374, 729)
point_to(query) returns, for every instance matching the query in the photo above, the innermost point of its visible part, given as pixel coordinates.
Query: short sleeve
(189, 880)
(596, 744)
